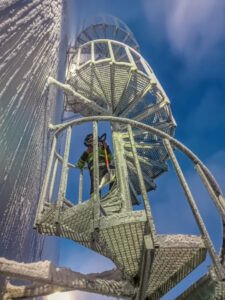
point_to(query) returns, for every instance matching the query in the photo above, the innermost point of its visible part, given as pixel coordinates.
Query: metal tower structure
(108, 80)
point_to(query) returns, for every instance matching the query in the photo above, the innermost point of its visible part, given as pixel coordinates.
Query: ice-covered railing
(151, 156)
(169, 143)
(101, 50)
(107, 77)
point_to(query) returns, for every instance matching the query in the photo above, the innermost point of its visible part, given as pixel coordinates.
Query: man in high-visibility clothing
(104, 158)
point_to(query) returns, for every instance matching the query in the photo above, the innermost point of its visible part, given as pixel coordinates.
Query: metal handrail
(175, 143)
(170, 144)
(145, 64)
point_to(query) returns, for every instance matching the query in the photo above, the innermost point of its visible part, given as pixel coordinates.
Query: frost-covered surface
(29, 52)
(49, 277)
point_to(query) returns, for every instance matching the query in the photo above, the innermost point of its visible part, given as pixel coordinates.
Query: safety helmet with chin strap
(88, 141)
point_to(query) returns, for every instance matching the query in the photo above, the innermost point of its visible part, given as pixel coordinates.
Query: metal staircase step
(120, 237)
(176, 257)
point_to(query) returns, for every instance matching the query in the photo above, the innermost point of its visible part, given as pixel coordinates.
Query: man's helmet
(88, 141)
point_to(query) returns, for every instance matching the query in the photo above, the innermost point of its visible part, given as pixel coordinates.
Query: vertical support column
(220, 205)
(151, 228)
(208, 243)
(145, 266)
(53, 179)
(96, 202)
(80, 186)
(64, 174)
(45, 183)
(121, 170)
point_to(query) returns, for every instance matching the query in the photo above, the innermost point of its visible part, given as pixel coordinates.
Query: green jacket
(88, 158)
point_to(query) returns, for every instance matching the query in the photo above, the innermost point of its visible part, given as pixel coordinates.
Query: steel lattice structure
(108, 80)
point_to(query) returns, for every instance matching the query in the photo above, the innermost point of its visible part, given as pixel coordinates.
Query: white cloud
(194, 29)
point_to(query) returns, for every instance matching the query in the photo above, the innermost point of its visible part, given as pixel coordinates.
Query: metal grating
(173, 263)
(125, 242)
(111, 202)
(105, 26)
(108, 85)
(120, 238)
(119, 82)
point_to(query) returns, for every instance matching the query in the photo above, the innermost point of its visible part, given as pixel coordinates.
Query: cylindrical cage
(105, 27)
(108, 80)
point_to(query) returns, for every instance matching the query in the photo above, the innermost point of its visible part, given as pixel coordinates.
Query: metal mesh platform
(120, 237)
(176, 257)
(111, 78)
(113, 86)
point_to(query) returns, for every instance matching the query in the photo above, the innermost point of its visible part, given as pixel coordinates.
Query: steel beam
(47, 273)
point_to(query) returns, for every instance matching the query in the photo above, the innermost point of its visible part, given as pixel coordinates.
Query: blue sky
(184, 42)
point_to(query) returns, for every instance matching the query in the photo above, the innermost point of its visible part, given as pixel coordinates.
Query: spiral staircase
(108, 80)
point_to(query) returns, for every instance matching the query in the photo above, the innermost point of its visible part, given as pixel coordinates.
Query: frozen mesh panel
(98, 89)
(103, 75)
(152, 158)
(150, 145)
(101, 50)
(124, 237)
(85, 54)
(78, 217)
(132, 174)
(105, 27)
(121, 77)
(82, 80)
(173, 261)
(147, 145)
(148, 102)
(110, 32)
(119, 52)
(151, 167)
(98, 31)
(138, 62)
(135, 87)
(159, 117)
(81, 84)
(163, 114)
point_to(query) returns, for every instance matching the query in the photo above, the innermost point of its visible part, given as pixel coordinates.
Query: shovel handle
(106, 156)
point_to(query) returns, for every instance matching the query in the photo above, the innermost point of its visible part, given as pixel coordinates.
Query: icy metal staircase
(109, 226)
(121, 237)
(108, 80)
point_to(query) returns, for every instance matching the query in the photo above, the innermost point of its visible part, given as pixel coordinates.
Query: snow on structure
(30, 35)
(51, 278)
